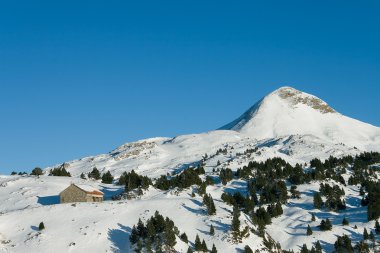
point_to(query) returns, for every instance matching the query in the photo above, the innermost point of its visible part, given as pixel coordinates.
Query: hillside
(234, 165)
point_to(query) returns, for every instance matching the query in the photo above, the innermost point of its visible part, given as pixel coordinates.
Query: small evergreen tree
(312, 217)
(95, 174)
(304, 249)
(204, 246)
(317, 200)
(365, 234)
(107, 178)
(309, 231)
(82, 176)
(345, 221)
(184, 238)
(190, 250)
(41, 226)
(247, 249)
(213, 250)
(37, 172)
(377, 227)
(212, 230)
(318, 247)
(235, 226)
(197, 243)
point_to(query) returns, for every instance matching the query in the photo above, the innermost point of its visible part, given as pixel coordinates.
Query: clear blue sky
(79, 79)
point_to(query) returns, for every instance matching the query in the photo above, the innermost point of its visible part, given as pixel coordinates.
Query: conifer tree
(247, 249)
(317, 200)
(304, 249)
(41, 226)
(82, 176)
(204, 246)
(365, 234)
(377, 227)
(197, 243)
(318, 247)
(107, 178)
(184, 238)
(235, 226)
(212, 230)
(190, 250)
(213, 250)
(312, 217)
(345, 221)
(309, 231)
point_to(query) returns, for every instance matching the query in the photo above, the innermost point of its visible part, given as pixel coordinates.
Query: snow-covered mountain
(287, 123)
(288, 111)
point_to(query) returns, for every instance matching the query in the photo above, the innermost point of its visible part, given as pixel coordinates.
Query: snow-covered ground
(287, 123)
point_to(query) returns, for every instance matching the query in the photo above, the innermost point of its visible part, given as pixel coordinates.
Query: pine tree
(377, 227)
(318, 247)
(82, 176)
(365, 234)
(309, 231)
(41, 226)
(211, 206)
(317, 200)
(197, 243)
(345, 222)
(312, 217)
(204, 246)
(212, 230)
(304, 249)
(107, 178)
(169, 236)
(184, 238)
(247, 249)
(371, 236)
(37, 171)
(95, 174)
(235, 226)
(190, 250)
(213, 250)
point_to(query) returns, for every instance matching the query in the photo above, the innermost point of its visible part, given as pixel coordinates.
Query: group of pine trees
(157, 233)
(60, 171)
(131, 181)
(107, 178)
(185, 179)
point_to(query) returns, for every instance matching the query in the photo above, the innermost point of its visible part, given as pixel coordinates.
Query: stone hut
(81, 193)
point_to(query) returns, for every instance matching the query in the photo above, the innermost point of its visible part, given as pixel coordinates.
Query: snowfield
(287, 123)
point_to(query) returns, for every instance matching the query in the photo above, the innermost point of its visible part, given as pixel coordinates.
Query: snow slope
(288, 111)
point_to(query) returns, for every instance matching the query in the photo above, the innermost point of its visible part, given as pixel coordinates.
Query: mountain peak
(288, 111)
(296, 97)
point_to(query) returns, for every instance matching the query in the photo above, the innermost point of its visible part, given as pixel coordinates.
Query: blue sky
(79, 79)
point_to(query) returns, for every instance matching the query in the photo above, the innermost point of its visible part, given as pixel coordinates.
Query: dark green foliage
(133, 181)
(318, 247)
(312, 217)
(309, 231)
(361, 247)
(60, 172)
(209, 203)
(345, 222)
(107, 178)
(184, 238)
(41, 226)
(295, 194)
(333, 197)
(212, 230)
(225, 175)
(155, 231)
(325, 225)
(197, 243)
(82, 176)
(235, 225)
(317, 200)
(95, 174)
(37, 172)
(377, 227)
(189, 250)
(237, 199)
(261, 218)
(373, 189)
(213, 250)
(247, 249)
(365, 234)
(274, 192)
(304, 249)
(204, 246)
(13, 173)
(186, 179)
(343, 244)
